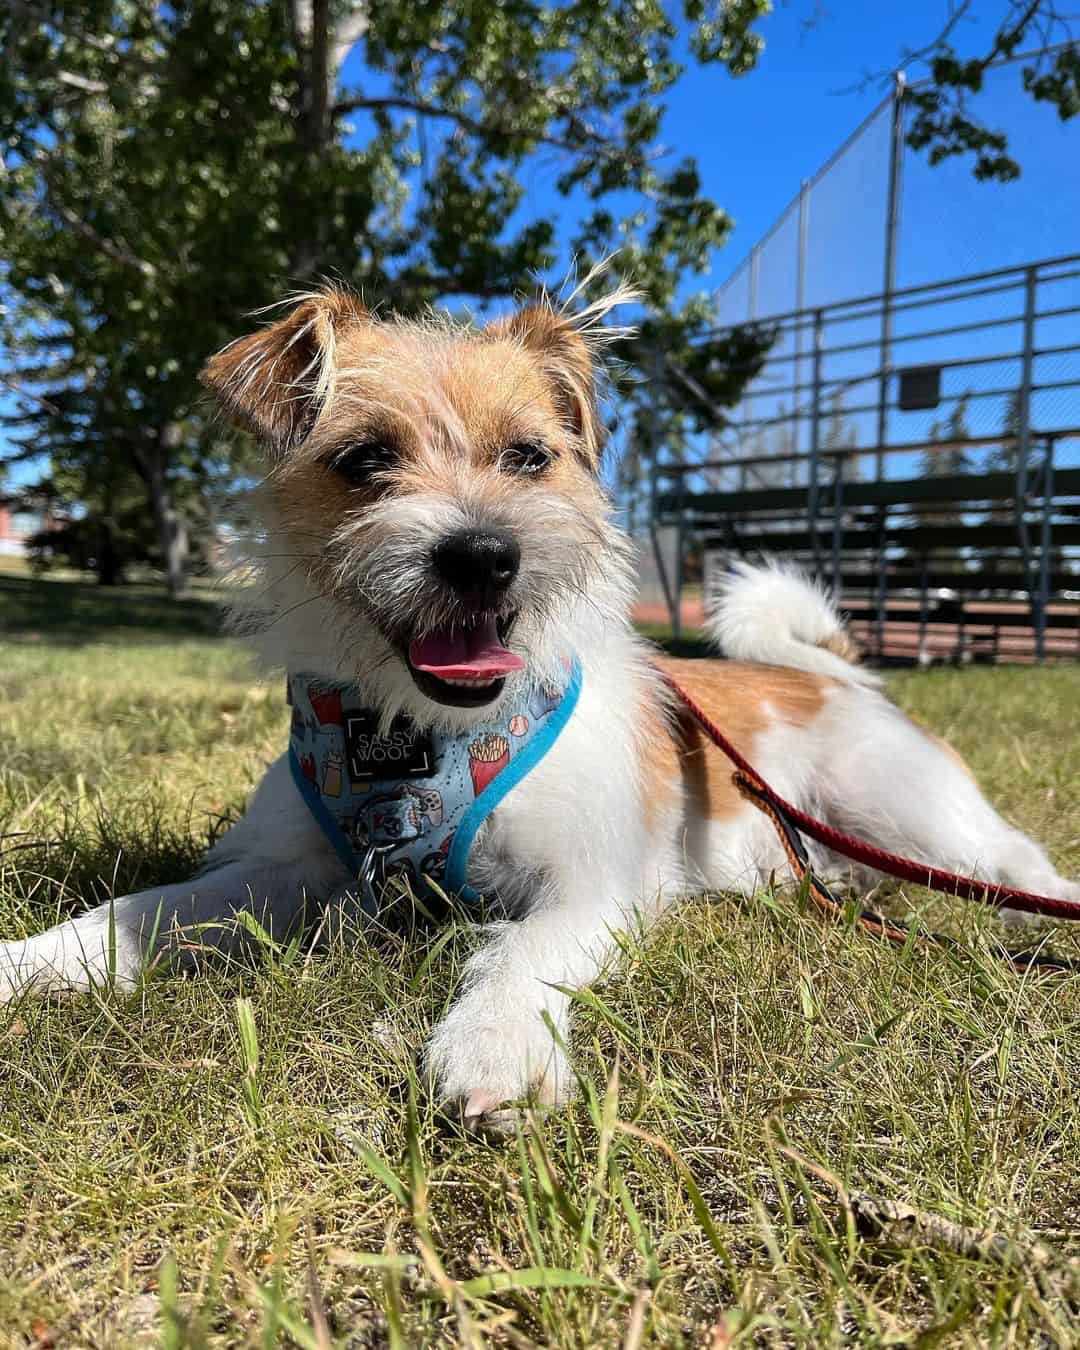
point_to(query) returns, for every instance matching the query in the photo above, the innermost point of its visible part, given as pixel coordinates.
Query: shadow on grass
(72, 613)
(693, 644)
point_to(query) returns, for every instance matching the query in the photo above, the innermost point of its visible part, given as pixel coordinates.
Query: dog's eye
(358, 463)
(527, 458)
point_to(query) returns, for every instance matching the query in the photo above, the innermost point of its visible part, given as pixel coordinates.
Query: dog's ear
(567, 361)
(274, 383)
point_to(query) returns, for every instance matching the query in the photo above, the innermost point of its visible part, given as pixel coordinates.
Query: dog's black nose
(478, 562)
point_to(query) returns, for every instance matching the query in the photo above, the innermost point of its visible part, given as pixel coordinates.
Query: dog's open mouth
(464, 666)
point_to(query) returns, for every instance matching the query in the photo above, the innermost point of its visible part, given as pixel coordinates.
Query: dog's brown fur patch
(743, 700)
(659, 756)
(843, 645)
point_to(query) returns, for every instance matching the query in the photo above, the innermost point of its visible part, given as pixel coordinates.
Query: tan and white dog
(426, 480)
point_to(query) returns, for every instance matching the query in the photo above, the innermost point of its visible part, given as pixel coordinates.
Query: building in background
(21, 518)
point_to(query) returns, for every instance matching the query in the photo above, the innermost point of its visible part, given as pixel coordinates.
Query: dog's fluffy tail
(775, 615)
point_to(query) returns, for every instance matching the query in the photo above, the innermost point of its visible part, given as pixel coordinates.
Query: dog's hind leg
(900, 787)
(269, 864)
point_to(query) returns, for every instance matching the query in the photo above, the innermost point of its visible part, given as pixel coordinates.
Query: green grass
(247, 1159)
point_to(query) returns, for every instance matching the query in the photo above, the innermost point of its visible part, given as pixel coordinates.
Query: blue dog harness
(408, 804)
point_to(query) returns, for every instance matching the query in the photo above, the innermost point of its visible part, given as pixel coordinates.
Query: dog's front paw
(478, 1062)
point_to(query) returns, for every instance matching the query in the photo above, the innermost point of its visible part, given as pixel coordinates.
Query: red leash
(791, 823)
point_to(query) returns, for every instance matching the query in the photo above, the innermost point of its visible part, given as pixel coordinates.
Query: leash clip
(371, 876)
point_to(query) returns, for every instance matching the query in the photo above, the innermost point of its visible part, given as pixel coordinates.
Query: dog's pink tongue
(476, 654)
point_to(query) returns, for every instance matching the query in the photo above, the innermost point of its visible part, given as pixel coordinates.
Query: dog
(436, 540)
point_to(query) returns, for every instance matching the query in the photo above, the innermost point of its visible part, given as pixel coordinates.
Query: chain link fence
(878, 218)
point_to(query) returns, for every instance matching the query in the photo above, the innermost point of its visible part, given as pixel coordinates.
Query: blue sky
(756, 138)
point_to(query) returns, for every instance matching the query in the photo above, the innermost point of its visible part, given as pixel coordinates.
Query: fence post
(755, 259)
(655, 473)
(800, 305)
(1023, 447)
(1046, 551)
(892, 229)
(813, 467)
(680, 549)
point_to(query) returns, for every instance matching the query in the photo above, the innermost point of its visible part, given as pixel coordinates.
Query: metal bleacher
(959, 545)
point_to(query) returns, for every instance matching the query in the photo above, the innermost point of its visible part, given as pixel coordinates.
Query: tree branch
(20, 392)
(699, 394)
(347, 34)
(80, 82)
(588, 138)
(1007, 37)
(320, 73)
(957, 10)
(117, 251)
(1005, 40)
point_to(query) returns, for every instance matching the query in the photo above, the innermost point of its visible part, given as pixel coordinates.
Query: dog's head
(434, 525)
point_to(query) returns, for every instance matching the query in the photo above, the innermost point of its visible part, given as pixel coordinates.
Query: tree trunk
(322, 43)
(311, 33)
(172, 531)
(110, 568)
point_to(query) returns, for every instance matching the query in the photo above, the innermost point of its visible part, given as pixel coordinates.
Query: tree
(1005, 457)
(841, 434)
(946, 454)
(169, 168)
(945, 121)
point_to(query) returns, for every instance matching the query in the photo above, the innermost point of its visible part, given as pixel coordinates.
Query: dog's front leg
(271, 864)
(495, 1044)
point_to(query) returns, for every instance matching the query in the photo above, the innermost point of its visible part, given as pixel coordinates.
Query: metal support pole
(655, 472)
(654, 534)
(755, 258)
(654, 469)
(804, 229)
(813, 466)
(838, 522)
(661, 572)
(800, 305)
(676, 605)
(882, 581)
(1046, 549)
(1023, 448)
(892, 229)
(746, 404)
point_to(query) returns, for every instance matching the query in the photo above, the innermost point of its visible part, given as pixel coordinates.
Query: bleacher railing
(969, 385)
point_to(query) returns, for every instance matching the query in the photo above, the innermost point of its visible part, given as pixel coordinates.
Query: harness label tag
(406, 752)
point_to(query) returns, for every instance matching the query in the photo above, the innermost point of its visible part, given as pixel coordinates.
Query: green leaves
(943, 121)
